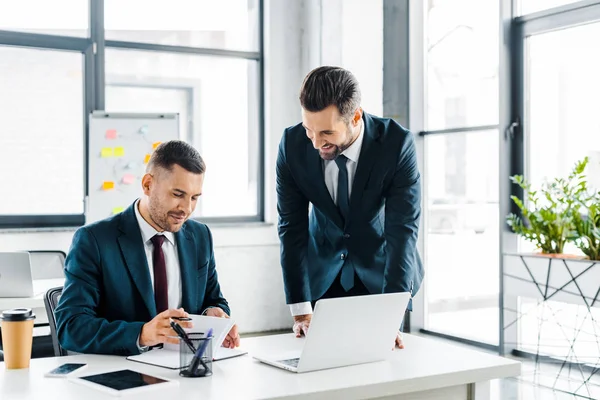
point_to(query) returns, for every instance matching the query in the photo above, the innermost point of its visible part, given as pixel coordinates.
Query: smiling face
(170, 196)
(329, 133)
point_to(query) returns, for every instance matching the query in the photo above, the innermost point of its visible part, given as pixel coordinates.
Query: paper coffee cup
(17, 337)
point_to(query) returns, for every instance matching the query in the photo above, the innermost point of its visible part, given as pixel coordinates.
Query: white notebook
(168, 356)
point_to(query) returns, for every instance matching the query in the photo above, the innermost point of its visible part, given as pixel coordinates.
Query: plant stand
(566, 351)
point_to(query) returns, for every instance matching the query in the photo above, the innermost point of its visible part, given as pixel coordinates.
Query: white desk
(36, 302)
(426, 369)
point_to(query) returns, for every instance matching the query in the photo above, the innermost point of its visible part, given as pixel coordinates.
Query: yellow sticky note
(147, 159)
(108, 185)
(117, 210)
(119, 151)
(107, 152)
(155, 145)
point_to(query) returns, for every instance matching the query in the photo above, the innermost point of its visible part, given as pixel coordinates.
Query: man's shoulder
(389, 126)
(102, 227)
(196, 228)
(294, 135)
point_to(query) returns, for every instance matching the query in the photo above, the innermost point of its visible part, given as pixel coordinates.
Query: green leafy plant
(588, 228)
(548, 214)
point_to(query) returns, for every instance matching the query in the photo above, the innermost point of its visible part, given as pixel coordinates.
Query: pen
(198, 356)
(181, 333)
(181, 318)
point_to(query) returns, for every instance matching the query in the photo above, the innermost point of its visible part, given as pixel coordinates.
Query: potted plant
(587, 227)
(548, 215)
(560, 211)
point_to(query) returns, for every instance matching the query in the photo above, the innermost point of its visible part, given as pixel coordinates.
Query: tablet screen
(123, 380)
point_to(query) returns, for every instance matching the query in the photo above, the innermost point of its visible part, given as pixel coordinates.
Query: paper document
(168, 356)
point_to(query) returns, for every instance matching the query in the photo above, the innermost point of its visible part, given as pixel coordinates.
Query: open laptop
(16, 279)
(15, 275)
(346, 331)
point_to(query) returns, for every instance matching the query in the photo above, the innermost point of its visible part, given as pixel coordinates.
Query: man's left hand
(399, 342)
(233, 338)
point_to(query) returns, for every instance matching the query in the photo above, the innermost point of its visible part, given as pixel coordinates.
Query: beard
(161, 217)
(337, 150)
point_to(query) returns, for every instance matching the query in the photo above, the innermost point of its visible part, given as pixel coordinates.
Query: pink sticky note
(128, 179)
(111, 134)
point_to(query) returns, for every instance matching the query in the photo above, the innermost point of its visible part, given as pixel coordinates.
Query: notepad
(168, 356)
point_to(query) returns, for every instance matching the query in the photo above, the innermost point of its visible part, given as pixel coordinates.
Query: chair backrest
(47, 264)
(50, 302)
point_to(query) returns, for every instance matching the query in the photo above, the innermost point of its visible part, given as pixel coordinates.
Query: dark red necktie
(161, 291)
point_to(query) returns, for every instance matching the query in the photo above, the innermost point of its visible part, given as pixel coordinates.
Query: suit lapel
(186, 252)
(368, 155)
(132, 248)
(323, 199)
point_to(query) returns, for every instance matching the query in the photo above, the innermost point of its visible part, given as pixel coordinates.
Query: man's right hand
(301, 324)
(159, 329)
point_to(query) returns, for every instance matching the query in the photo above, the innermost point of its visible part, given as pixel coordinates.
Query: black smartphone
(64, 370)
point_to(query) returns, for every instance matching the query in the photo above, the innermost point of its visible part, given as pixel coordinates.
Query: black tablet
(123, 382)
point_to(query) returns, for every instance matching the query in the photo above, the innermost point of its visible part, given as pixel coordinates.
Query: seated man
(128, 275)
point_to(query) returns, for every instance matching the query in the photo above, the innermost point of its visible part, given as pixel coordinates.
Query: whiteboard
(120, 145)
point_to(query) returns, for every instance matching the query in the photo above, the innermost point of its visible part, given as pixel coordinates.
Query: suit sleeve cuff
(142, 349)
(301, 308)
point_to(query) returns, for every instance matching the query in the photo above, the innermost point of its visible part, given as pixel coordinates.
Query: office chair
(50, 302)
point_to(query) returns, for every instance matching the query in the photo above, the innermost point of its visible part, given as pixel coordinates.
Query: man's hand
(301, 324)
(233, 338)
(159, 329)
(399, 343)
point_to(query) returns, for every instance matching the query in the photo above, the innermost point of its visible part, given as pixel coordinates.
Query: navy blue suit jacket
(108, 294)
(380, 236)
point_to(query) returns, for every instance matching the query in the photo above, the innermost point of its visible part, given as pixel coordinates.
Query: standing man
(360, 174)
(128, 275)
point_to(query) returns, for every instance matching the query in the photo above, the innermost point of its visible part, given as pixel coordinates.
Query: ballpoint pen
(181, 333)
(197, 359)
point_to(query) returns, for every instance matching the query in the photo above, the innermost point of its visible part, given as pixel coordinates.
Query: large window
(55, 17)
(223, 24)
(461, 169)
(563, 122)
(207, 91)
(200, 59)
(41, 151)
(559, 110)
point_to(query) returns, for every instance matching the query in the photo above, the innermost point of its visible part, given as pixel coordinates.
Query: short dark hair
(326, 86)
(177, 152)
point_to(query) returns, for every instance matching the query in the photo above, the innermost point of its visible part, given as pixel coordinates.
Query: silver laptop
(15, 275)
(346, 331)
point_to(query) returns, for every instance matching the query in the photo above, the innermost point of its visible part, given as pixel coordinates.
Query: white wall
(248, 256)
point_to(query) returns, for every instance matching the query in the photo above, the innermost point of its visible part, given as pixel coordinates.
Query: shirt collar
(353, 152)
(147, 230)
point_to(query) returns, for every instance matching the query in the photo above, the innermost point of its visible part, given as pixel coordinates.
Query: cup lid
(17, 314)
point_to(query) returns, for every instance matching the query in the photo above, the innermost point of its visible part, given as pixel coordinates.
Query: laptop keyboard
(292, 362)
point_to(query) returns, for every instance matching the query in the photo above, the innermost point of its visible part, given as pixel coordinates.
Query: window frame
(93, 49)
(423, 135)
(514, 119)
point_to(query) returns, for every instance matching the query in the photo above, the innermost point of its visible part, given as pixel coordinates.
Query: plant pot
(561, 256)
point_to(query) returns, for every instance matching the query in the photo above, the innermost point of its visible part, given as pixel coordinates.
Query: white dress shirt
(171, 258)
(331, 173)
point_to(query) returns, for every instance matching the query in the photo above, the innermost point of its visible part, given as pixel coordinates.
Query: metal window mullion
(97, 34)
(560, 18)
(479, 128)
(119, 44)
(42, 41)
(261, 114)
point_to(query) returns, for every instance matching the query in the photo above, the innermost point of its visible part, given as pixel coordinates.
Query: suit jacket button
(346, 235)
(343, 256)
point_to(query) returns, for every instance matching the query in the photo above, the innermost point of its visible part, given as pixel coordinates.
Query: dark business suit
(108, 295)
(379, 237)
